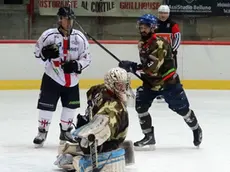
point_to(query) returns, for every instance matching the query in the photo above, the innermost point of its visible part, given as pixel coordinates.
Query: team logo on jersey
(189, 1)
(74, 42)
(168, 25)
(70, 49)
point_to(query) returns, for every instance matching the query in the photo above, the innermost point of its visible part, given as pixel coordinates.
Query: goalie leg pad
(64, 161)
(129, 152)
(70, 148)
(113, 161)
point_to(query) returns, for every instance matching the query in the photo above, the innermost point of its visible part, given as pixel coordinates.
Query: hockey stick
(100, 45)
(92, 141)
(105, 49)
(93, 152)
(143, 78)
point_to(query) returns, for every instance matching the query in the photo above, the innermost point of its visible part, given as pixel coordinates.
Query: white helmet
(164, 9)
(117, 80)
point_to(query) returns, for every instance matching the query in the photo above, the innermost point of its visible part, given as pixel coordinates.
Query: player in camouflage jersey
(158, 71)
(107, 108)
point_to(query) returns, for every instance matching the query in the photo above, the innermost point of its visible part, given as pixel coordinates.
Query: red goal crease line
(122, 42)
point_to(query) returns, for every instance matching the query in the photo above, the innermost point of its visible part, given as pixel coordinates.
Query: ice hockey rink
(174, 150)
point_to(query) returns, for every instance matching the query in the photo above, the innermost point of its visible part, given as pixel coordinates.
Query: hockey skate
(65, 135)
(147, 143)
(40, 138)
(160, 99)
(197, 135)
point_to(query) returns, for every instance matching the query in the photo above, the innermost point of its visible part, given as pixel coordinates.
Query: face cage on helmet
(121, 86)
(124, 92)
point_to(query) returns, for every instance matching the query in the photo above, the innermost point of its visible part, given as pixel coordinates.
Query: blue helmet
(148, 19)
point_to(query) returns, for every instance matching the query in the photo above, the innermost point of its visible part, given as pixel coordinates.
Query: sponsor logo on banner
(140, 5)
(56, 3)
(223, 7)
(98, 6)
(50, 7)
(113, 8)
(200, 7)
(203, 7)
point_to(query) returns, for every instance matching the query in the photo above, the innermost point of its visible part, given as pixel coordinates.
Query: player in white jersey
(65, 53)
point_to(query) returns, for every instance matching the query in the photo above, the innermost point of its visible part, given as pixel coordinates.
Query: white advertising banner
(113, 8)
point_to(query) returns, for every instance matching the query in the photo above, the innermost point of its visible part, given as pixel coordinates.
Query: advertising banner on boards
(199, 7)
(115, 8)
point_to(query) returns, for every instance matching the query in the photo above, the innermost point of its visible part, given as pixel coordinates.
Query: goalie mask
(117, 80)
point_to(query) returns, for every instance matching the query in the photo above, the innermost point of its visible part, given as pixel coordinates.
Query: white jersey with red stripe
(76, 47)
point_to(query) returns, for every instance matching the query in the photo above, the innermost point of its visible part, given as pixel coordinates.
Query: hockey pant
(174, 96)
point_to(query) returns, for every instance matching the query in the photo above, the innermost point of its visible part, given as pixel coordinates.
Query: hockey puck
(91, 137)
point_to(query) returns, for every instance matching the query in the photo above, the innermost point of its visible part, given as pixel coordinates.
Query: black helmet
(66, 12)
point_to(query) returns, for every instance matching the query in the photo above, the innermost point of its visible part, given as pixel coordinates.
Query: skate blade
(145, 148)
(62, 142)
(197, 146)
(38, 145)
(160, 101)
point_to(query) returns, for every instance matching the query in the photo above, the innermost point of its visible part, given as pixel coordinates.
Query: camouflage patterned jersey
(106, 103)
(157, 63)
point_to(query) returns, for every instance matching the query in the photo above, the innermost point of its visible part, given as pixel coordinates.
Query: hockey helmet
(66, 12)
(148, 19)
(163, 12)
(164, 9)
(117, 80)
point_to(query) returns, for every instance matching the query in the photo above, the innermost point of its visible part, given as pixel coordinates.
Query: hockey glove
(82, 120)
(128, 66)
(72, 67)
(50, 52)
(174, 53)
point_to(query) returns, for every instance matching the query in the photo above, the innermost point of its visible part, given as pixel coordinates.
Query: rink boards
(202, 65)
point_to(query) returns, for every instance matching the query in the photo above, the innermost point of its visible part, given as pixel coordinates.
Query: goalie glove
(50, 52)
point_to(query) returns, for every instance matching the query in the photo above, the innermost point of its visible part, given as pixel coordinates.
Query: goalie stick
(92, 142)
(93, 152)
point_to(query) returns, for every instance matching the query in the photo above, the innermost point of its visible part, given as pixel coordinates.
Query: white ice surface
(174, 151)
